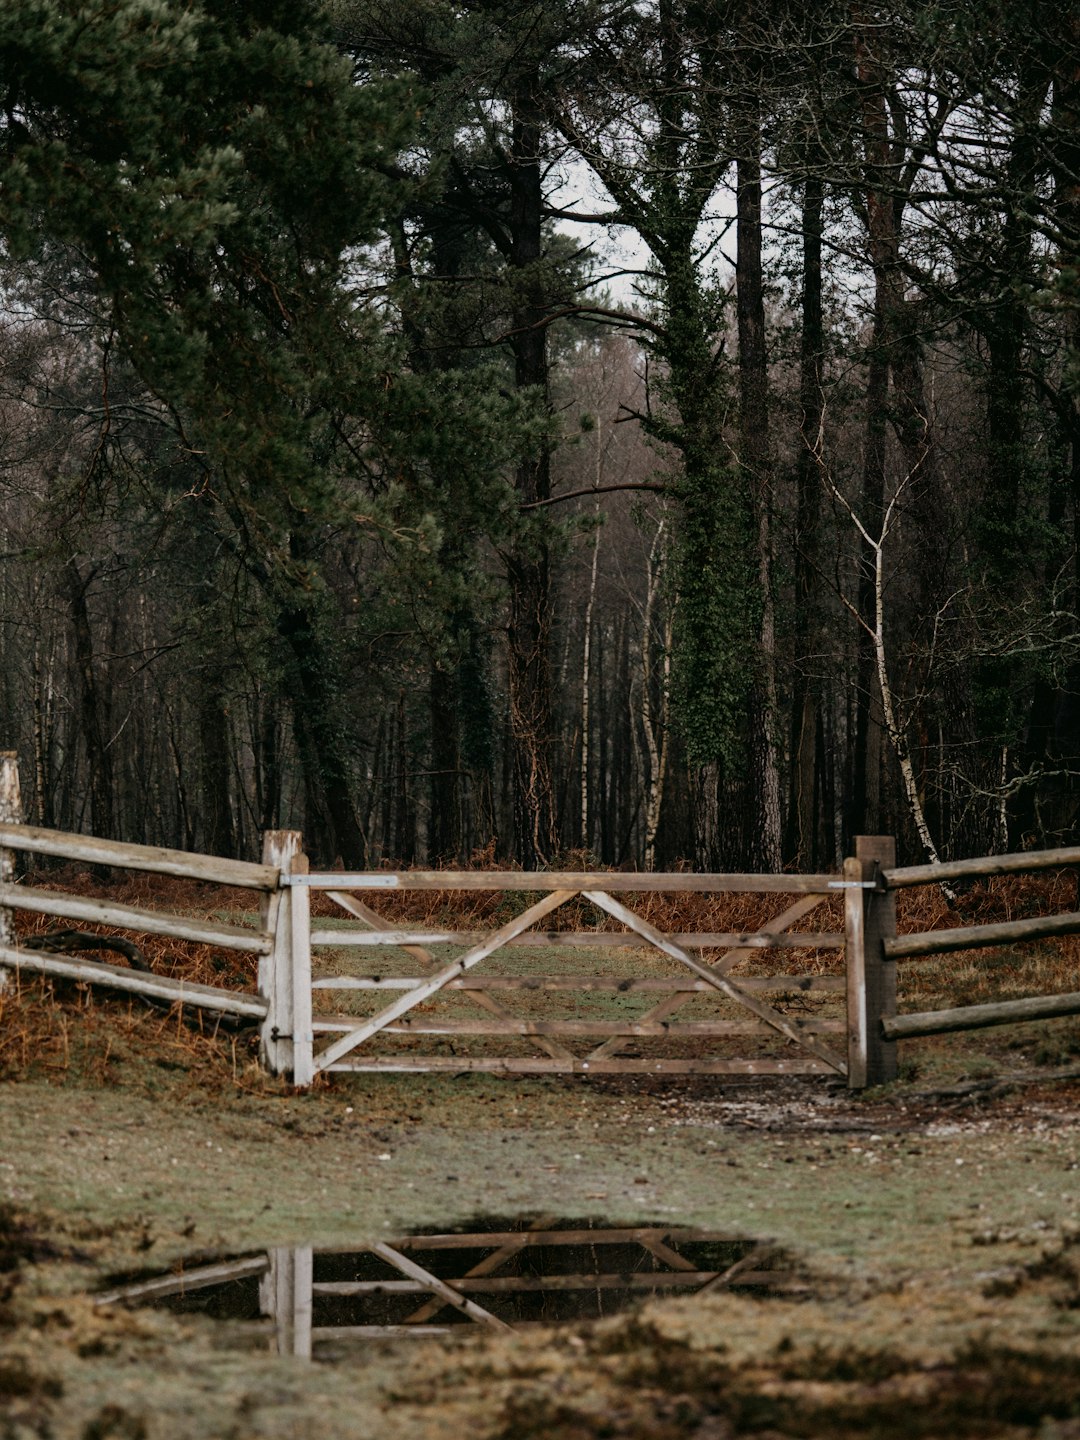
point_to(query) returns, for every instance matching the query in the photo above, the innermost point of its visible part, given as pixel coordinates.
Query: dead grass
(666, 1392)
(63, 1032)
(52, 1029)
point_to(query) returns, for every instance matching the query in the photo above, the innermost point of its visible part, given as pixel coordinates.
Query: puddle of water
(502, 1274)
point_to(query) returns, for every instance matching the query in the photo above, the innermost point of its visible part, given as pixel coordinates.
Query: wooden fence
(432, 976)
(893, 1027)
(257, 939)
(481, 1011)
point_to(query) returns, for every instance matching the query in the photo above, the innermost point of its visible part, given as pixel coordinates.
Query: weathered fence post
(870, 920)
(282, 849)
(10, 814)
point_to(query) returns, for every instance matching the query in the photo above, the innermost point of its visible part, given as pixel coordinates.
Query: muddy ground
(936, 1226)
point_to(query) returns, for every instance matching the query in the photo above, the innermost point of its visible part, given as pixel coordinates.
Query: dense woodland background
(358, 475)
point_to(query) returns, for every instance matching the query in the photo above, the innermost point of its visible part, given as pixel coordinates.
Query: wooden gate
(407, 997)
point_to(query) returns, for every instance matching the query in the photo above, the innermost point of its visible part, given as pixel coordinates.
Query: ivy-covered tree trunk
(713, 631)
(331, 828)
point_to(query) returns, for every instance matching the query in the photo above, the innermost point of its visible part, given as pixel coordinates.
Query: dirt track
(938, 1237)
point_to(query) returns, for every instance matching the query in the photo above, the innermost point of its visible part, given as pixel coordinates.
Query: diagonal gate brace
(487, 1266)
(430, 987)
(438, 1287)
(726, 987)
(667, 1007)
(487, 1002)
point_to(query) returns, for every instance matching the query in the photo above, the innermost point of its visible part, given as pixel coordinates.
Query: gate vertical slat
(303, 1034)
(286, 1297)
(303, 1261)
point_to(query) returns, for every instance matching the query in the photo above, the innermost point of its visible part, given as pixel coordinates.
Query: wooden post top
(10, 798)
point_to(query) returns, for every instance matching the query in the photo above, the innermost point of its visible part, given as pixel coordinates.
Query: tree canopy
(327, 384)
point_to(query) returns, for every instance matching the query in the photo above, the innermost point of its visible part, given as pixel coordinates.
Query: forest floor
(934, 1225)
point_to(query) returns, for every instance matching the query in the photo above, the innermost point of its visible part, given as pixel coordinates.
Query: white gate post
(282, 849)
(10, 814)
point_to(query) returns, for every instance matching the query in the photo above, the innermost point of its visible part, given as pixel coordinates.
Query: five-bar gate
(644, 1000)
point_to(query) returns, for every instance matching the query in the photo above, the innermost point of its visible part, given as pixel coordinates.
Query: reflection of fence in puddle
(314, 1300)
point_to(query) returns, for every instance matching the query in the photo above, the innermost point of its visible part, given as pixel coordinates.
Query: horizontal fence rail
(51, 960)
(979, 1017)
(137, 982)
(894, 1027)
(1030, 861)
(131, 917)
(183, 864)
(975, 937)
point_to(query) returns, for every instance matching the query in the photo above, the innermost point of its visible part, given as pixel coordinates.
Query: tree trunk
(331, 828)
(216, 745)
(654, 715)
(884, 205)
(445, 828)
(265, 747)
(756, 461)
(528, 566)
(586, 693)
(804, 845)
(404, 814)
(94, 708)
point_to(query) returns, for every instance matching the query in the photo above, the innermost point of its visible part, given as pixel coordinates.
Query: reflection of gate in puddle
(313, 1300)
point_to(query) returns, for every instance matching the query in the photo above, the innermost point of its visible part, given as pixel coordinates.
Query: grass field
(935, 1224)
